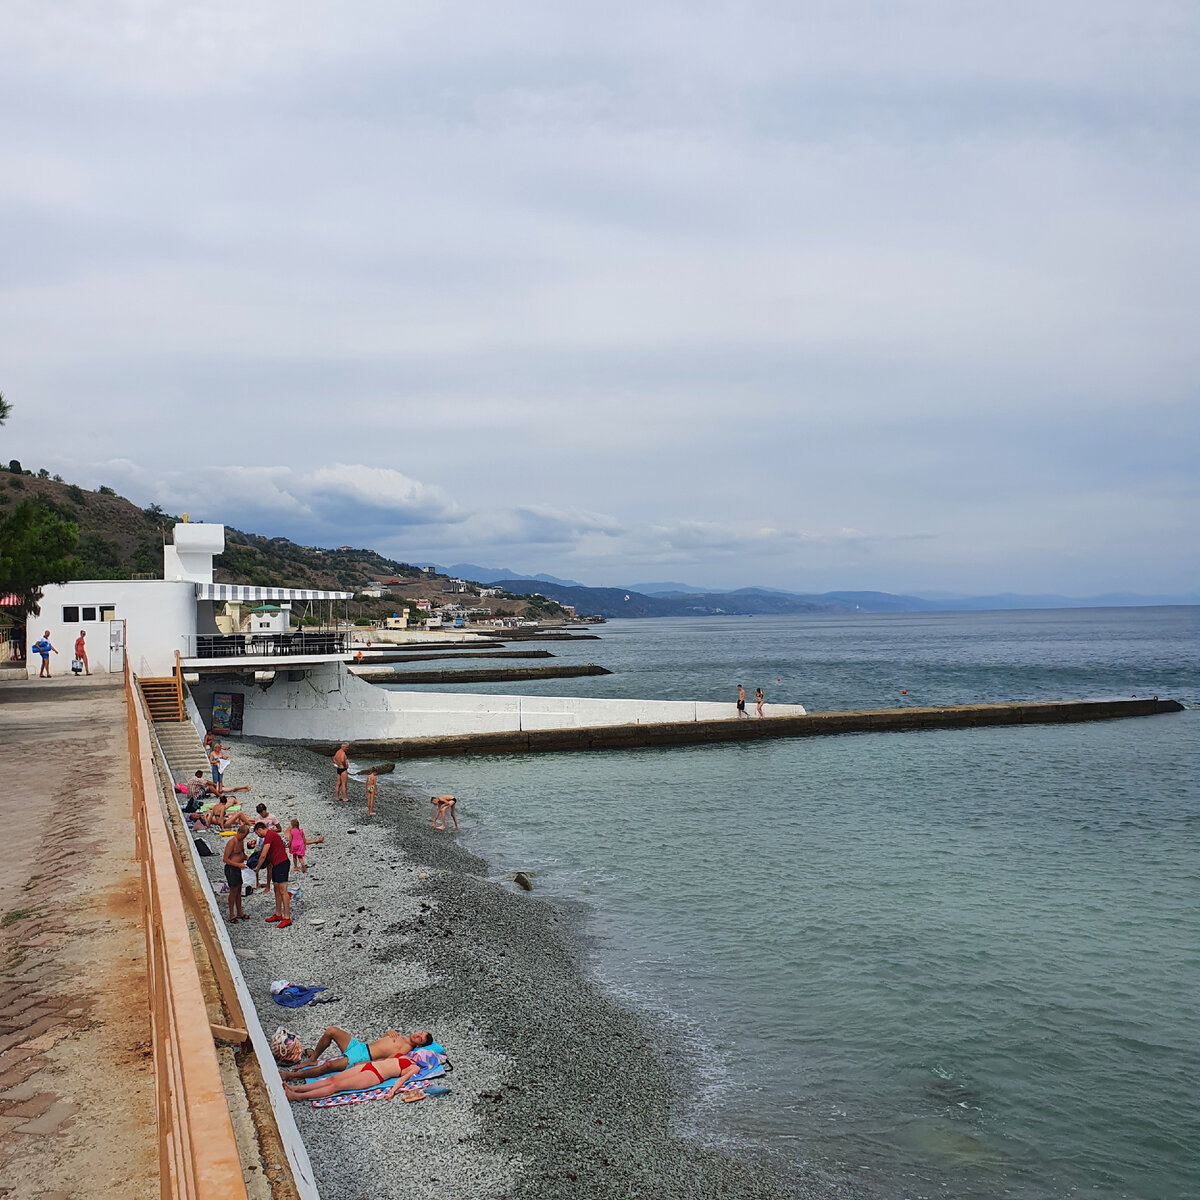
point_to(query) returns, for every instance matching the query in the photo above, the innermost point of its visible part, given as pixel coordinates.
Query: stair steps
(162, 699)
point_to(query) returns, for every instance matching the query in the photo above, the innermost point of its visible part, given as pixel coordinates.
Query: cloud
(320, 501)
(623, 284)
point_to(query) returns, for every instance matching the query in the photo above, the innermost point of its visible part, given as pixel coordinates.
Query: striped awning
(242, 593)
(11, 600)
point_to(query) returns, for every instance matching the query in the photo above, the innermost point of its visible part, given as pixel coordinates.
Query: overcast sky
(891, 295)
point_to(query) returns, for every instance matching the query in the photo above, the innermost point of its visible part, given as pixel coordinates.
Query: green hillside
(119, 540)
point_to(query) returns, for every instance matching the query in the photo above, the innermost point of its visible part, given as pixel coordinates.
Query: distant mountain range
(674, 599)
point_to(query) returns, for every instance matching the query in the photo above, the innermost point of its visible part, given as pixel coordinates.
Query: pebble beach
(557, 1089)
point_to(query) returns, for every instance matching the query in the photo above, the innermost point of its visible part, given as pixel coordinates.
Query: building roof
(242, 593)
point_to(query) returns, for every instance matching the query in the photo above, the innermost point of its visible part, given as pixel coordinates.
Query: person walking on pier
(43, 647)
(758, 700)
(81, 651)
(342, 764)
(741, 703)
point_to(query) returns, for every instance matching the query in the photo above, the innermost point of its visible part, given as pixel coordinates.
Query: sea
(944, 963)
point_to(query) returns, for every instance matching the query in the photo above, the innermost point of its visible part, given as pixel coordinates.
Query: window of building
(70, 614)
(89, 614)
(108, 612)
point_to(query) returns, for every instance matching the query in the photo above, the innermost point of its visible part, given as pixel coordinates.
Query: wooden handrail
(179, 685)
(198, 1157)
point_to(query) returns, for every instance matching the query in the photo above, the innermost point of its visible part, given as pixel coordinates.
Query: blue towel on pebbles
(295, 996)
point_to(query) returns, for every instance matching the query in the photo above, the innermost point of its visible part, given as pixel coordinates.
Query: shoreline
(559, 1089)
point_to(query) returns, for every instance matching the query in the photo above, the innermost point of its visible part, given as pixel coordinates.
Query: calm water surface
(955, 963)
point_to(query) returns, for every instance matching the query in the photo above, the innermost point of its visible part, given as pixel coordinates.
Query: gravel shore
(557, 1091)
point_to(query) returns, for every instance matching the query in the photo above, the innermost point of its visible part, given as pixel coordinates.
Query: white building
(154, 618)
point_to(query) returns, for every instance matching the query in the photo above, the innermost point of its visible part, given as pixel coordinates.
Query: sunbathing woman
(359, 1078)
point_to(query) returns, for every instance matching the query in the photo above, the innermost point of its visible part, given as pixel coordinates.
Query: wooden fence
(198, 1157)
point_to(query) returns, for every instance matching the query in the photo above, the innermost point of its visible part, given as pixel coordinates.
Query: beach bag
(77, 666)
(286, 1047)
(203, 848)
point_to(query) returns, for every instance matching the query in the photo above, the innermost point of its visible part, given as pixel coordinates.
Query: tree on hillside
(37, 547)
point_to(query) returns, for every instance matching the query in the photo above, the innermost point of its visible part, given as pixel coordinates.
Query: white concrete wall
(330, 704)
(160, 617)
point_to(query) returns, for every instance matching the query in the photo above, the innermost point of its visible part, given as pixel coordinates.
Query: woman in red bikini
(399, 1067)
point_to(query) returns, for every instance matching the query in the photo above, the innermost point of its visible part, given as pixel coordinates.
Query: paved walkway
(76, 1078)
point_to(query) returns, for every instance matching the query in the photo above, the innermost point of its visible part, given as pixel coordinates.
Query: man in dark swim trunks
(741, 703)
(354, 1053)
(342, 764)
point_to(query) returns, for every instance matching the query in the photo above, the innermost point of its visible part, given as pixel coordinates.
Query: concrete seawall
(477, 674)
(617, 737)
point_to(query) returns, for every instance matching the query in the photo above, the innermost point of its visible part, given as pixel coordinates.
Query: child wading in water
(371, 783)
(441, 806)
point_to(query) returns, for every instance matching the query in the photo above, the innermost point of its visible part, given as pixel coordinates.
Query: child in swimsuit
(298, 844)
(370, 782)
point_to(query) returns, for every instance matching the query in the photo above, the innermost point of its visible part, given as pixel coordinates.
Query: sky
(900, 295)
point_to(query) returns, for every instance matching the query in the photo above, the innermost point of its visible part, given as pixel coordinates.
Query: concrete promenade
(77, 1106)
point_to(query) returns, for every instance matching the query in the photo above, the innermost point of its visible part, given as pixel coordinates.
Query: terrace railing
(253, 645)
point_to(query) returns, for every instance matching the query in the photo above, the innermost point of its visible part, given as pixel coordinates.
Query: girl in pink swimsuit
(297, 844)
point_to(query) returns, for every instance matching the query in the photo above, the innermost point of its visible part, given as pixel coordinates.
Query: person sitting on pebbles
(355, 1053)
(399, 1067)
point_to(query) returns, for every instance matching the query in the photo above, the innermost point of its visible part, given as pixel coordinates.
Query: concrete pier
(478, 674)
(618, 737)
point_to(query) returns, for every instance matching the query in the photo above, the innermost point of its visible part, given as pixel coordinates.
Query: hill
(119, 540)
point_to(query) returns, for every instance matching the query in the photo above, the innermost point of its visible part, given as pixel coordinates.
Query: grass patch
(19, 914)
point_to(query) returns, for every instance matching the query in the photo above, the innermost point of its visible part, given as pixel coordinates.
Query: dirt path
(76, 1081)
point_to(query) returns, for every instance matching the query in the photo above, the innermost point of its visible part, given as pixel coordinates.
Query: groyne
(373, 659)
(679, 733)
(478, 674)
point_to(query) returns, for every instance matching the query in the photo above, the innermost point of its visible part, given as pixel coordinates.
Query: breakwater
(465, 652)
(679, 733)
(478, 674)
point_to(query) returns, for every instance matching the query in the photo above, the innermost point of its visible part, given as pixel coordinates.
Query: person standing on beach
(274, 856)
(758, 700)
(342, 764)
(220, 761)
(741, 703)
(43, 647)
(81, 652)
(371, 782)
(234, 860)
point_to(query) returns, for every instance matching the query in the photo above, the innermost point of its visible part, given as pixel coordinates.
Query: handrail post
(179, 684)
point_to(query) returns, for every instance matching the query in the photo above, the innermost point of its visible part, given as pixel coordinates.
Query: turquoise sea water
(957, 963)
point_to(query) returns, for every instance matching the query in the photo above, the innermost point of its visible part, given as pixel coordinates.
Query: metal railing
(198, 1157)
(244, 645)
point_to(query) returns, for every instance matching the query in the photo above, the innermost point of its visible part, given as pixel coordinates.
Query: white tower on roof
(191, 557)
